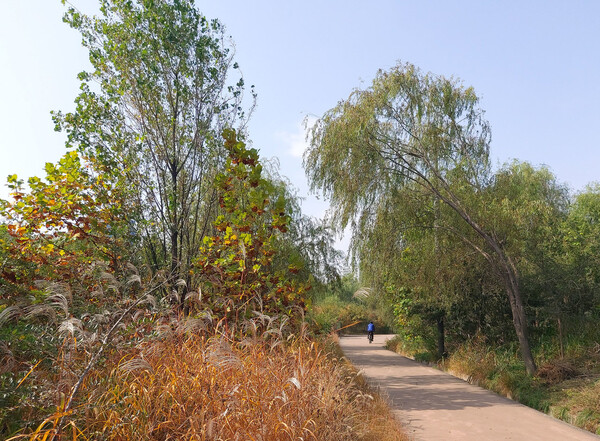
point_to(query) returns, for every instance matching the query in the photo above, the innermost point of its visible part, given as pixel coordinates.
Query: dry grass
(209, 387)
(472, 361)
(576, 398)
(137, 374)
(577, 401)
(556, 371)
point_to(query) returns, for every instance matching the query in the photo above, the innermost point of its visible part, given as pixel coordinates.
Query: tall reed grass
(191, 384)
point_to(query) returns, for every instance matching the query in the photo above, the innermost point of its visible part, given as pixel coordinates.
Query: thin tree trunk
(508, 271)
(441, 337)
(519, 320)
(174, 263)
(561, 339)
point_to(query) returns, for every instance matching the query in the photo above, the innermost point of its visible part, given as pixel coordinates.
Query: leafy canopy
(62, 223)
(151, 111)
(235, 266)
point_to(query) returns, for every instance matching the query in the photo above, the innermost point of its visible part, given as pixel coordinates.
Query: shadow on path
(434, 405)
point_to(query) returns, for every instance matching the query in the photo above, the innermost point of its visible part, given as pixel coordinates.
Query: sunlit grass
(206, 386)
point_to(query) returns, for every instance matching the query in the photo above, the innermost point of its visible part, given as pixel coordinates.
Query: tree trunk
(508, 272)
(441, 337)
(561, 339)
(174, 253)
(519, 320)
(175, 269)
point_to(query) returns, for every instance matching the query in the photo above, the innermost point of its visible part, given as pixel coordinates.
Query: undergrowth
(139, 370)
(192, 382)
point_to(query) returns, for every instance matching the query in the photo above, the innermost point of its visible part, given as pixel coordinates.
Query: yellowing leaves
(62, 221)
(238, 261)
(48, 248)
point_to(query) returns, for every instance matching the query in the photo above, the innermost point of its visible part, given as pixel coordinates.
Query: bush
(472, 360)
(412, 347)
(332, 313)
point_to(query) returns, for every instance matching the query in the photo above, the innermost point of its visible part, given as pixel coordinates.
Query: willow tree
(426, 274)
(417, 132)
(151, 110)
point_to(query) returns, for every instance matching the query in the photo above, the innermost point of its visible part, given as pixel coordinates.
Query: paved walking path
(433, 405)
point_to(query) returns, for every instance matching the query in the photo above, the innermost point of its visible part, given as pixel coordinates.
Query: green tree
(424, 272)
(417, 131)
(311, 242)
(151, 111)
(234, 268)
(581, 252)
(526, 207)
(447, 282)
(308, 242)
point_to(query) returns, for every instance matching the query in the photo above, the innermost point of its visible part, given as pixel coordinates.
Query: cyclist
(370, 331)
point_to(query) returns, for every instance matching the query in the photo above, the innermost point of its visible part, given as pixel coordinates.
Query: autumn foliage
(61, 224)
(235, 267)
(203, 386)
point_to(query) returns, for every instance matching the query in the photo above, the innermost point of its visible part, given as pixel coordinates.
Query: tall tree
(308, 243)
(151, 110)
(446, 281)
(417, 131)
(526, 206)
(235, 267)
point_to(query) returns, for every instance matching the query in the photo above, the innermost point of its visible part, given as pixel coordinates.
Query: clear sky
(536, 65)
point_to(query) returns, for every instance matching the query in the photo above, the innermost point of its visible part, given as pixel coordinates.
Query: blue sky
(536, 65)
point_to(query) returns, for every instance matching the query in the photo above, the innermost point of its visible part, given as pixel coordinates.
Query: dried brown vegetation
(556, 371)
(189, 383)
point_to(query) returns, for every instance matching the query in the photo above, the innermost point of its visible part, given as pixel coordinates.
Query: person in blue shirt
(370, 331)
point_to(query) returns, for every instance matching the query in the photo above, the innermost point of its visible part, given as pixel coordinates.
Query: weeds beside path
(204, 386)
(434, 405)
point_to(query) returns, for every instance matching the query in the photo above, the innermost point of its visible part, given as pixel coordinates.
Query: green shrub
(331, 314)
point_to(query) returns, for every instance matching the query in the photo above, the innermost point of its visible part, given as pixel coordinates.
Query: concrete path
(433, 405)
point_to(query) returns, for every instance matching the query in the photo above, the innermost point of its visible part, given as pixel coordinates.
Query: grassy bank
(185, 383)
(566, 386)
